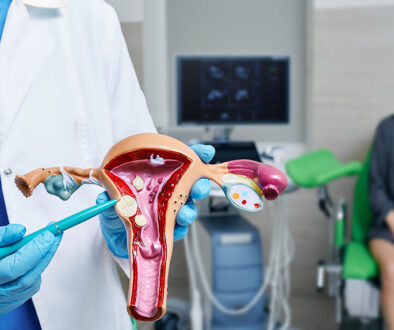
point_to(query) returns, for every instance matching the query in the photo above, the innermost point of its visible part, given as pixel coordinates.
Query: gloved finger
(7, 294)
(109, 219)
(117, 243)
(7, 307)
(113, 229)
(109, 214)
(102, 197)
(200, 189)
(9, 303)
(11, 234)
(180, 232)
(32, 277)
(187, 213)
(110, 222)
(26, 258)
(204, 151)
(112, 225)
(34, 274)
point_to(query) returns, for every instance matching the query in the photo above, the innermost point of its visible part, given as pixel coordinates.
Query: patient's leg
(383, 252)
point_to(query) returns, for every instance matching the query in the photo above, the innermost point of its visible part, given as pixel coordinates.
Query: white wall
(326, 4)
(132, 10)
(230, 27)
(128, 10)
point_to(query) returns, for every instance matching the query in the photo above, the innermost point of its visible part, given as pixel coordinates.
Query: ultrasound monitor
(233, 90)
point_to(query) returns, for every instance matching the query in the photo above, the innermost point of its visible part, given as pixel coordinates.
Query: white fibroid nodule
(156, 161)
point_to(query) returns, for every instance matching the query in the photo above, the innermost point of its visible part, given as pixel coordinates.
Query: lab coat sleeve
(381, 202)
(129, 111)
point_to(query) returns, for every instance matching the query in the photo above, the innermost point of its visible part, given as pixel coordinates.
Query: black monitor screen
(233, 90)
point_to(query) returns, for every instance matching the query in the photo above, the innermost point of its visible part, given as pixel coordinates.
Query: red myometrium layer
(162, 203)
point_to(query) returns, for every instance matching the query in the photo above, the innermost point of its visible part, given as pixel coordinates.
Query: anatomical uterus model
(151, 176)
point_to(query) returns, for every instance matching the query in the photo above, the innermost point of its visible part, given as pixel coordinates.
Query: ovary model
(151, 176)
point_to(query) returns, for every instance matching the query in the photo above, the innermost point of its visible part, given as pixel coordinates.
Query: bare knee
(387, 273)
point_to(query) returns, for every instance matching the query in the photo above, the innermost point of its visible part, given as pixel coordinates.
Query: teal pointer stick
(60, 226)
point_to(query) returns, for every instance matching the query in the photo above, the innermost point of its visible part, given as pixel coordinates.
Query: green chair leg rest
(319, 167)
(348, 169)
(358, 262)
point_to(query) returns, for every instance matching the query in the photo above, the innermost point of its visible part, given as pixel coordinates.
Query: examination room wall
(353, 90)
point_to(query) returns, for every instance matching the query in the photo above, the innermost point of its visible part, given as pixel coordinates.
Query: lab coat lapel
(23, 52)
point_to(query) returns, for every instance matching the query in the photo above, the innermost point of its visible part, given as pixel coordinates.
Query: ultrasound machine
(224, 250)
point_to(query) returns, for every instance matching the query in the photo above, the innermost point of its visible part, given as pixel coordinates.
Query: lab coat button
(7, 172)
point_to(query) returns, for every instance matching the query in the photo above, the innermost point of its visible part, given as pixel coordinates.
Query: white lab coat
(68, 91)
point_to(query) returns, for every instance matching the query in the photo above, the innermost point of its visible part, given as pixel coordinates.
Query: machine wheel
(168, 322)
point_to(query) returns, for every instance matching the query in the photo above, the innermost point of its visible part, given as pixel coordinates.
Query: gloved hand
(20, 273)
(201, 189)
(113, 229)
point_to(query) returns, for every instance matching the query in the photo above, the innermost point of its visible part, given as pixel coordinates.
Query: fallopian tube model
(151, 176)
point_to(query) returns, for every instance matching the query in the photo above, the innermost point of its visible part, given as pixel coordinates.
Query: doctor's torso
(56, 108)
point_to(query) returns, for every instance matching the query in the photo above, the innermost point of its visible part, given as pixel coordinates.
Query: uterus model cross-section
(151, 176)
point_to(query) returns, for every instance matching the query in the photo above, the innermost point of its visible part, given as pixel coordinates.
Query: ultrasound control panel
(232, 150)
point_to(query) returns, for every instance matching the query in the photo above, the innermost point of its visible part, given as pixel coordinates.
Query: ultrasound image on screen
(229, 90)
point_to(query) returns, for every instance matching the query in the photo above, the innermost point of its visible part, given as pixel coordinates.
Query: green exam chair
(351, 265)
(358, 261)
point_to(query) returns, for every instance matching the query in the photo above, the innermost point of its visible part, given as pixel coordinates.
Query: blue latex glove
(20, 273)
(201, 189)
(113, 229)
